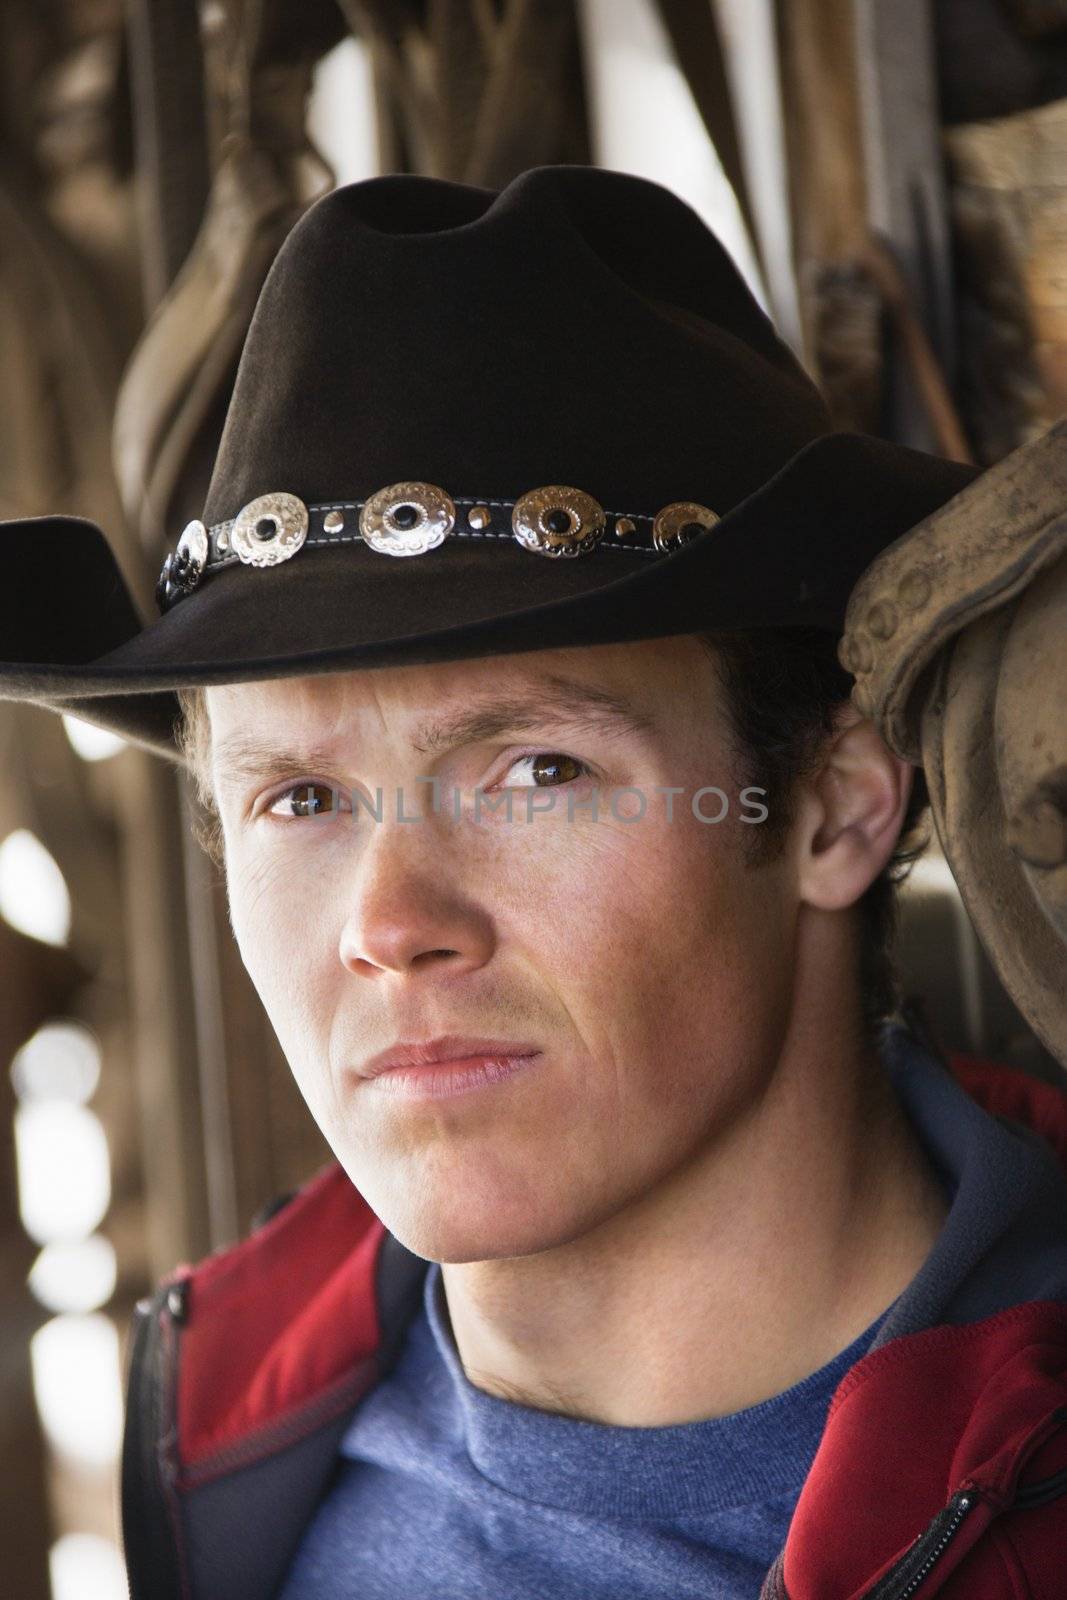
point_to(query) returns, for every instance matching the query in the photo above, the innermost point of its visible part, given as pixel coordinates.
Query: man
(656, 1261)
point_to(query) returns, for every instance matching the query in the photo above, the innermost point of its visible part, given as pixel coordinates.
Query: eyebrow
(558, 700)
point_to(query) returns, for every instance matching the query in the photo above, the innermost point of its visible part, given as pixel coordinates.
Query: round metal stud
(479, 516)
(194, 542)
(332, 522)
(223, 541)
(558, 521)
(269, 529)
(625, 527)
(676, 524)
(407, 519)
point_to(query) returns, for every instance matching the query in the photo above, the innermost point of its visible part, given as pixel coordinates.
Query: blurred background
(891, 177)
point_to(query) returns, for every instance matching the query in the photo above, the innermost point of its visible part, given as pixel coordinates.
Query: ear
(849, 814)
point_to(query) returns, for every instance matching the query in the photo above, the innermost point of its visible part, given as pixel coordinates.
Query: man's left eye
(306, 800)
(560, 768)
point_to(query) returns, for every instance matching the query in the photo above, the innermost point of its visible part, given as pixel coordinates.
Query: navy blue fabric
(445, 1490)
(447, 1493)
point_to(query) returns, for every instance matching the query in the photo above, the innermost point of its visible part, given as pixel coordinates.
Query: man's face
(649, 967)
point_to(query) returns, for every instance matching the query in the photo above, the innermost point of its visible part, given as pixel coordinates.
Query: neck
(748, 1270)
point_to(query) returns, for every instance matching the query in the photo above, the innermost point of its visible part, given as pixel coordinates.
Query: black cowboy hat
(559, 404)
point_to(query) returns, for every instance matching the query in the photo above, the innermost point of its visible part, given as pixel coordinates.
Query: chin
(457, 1247)
(466, 1226)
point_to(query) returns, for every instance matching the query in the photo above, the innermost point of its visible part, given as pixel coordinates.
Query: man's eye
(549, 769)
(306, 800)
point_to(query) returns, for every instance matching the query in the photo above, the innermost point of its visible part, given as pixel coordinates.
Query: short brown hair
(193, 738)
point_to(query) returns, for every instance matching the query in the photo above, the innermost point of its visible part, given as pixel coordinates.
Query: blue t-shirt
(445, 1492)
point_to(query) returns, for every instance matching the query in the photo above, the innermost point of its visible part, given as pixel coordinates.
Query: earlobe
(849, 814)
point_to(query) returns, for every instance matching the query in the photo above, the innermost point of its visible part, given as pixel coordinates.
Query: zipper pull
(177, 1300)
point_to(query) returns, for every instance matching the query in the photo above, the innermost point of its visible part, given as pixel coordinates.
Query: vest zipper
(915, 1566)
(149, 1536)
(912, 1571)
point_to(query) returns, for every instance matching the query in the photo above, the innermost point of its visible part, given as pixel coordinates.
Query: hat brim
(788, 555)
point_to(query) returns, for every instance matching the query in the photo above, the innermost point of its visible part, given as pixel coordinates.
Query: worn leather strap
(970, 557)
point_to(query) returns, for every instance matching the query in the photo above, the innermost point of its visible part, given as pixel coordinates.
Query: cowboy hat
(559, 405)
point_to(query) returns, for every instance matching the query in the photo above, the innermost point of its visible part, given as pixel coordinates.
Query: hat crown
(579, 326)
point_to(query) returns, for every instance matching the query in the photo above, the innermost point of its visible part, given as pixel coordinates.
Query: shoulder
(311, 1302)
(950, 1440)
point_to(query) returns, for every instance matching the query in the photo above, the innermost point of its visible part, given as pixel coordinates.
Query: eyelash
(584, 771)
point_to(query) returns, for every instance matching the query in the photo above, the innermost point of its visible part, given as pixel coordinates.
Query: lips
(449, 1047)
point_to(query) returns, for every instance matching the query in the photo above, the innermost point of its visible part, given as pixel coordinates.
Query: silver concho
(269, 529)
(407, 519)
(194, 542)
(558, 521)
(676, 524)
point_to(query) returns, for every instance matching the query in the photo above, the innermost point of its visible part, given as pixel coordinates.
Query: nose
(408, 913)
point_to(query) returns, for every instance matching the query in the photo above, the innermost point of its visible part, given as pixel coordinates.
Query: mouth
(450, 1049)
(448, 1066)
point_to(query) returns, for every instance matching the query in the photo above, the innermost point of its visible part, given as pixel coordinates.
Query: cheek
(693, 970)
(660, 940)
(285, 941)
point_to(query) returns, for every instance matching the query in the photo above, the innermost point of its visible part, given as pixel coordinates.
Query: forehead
(648, 683)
